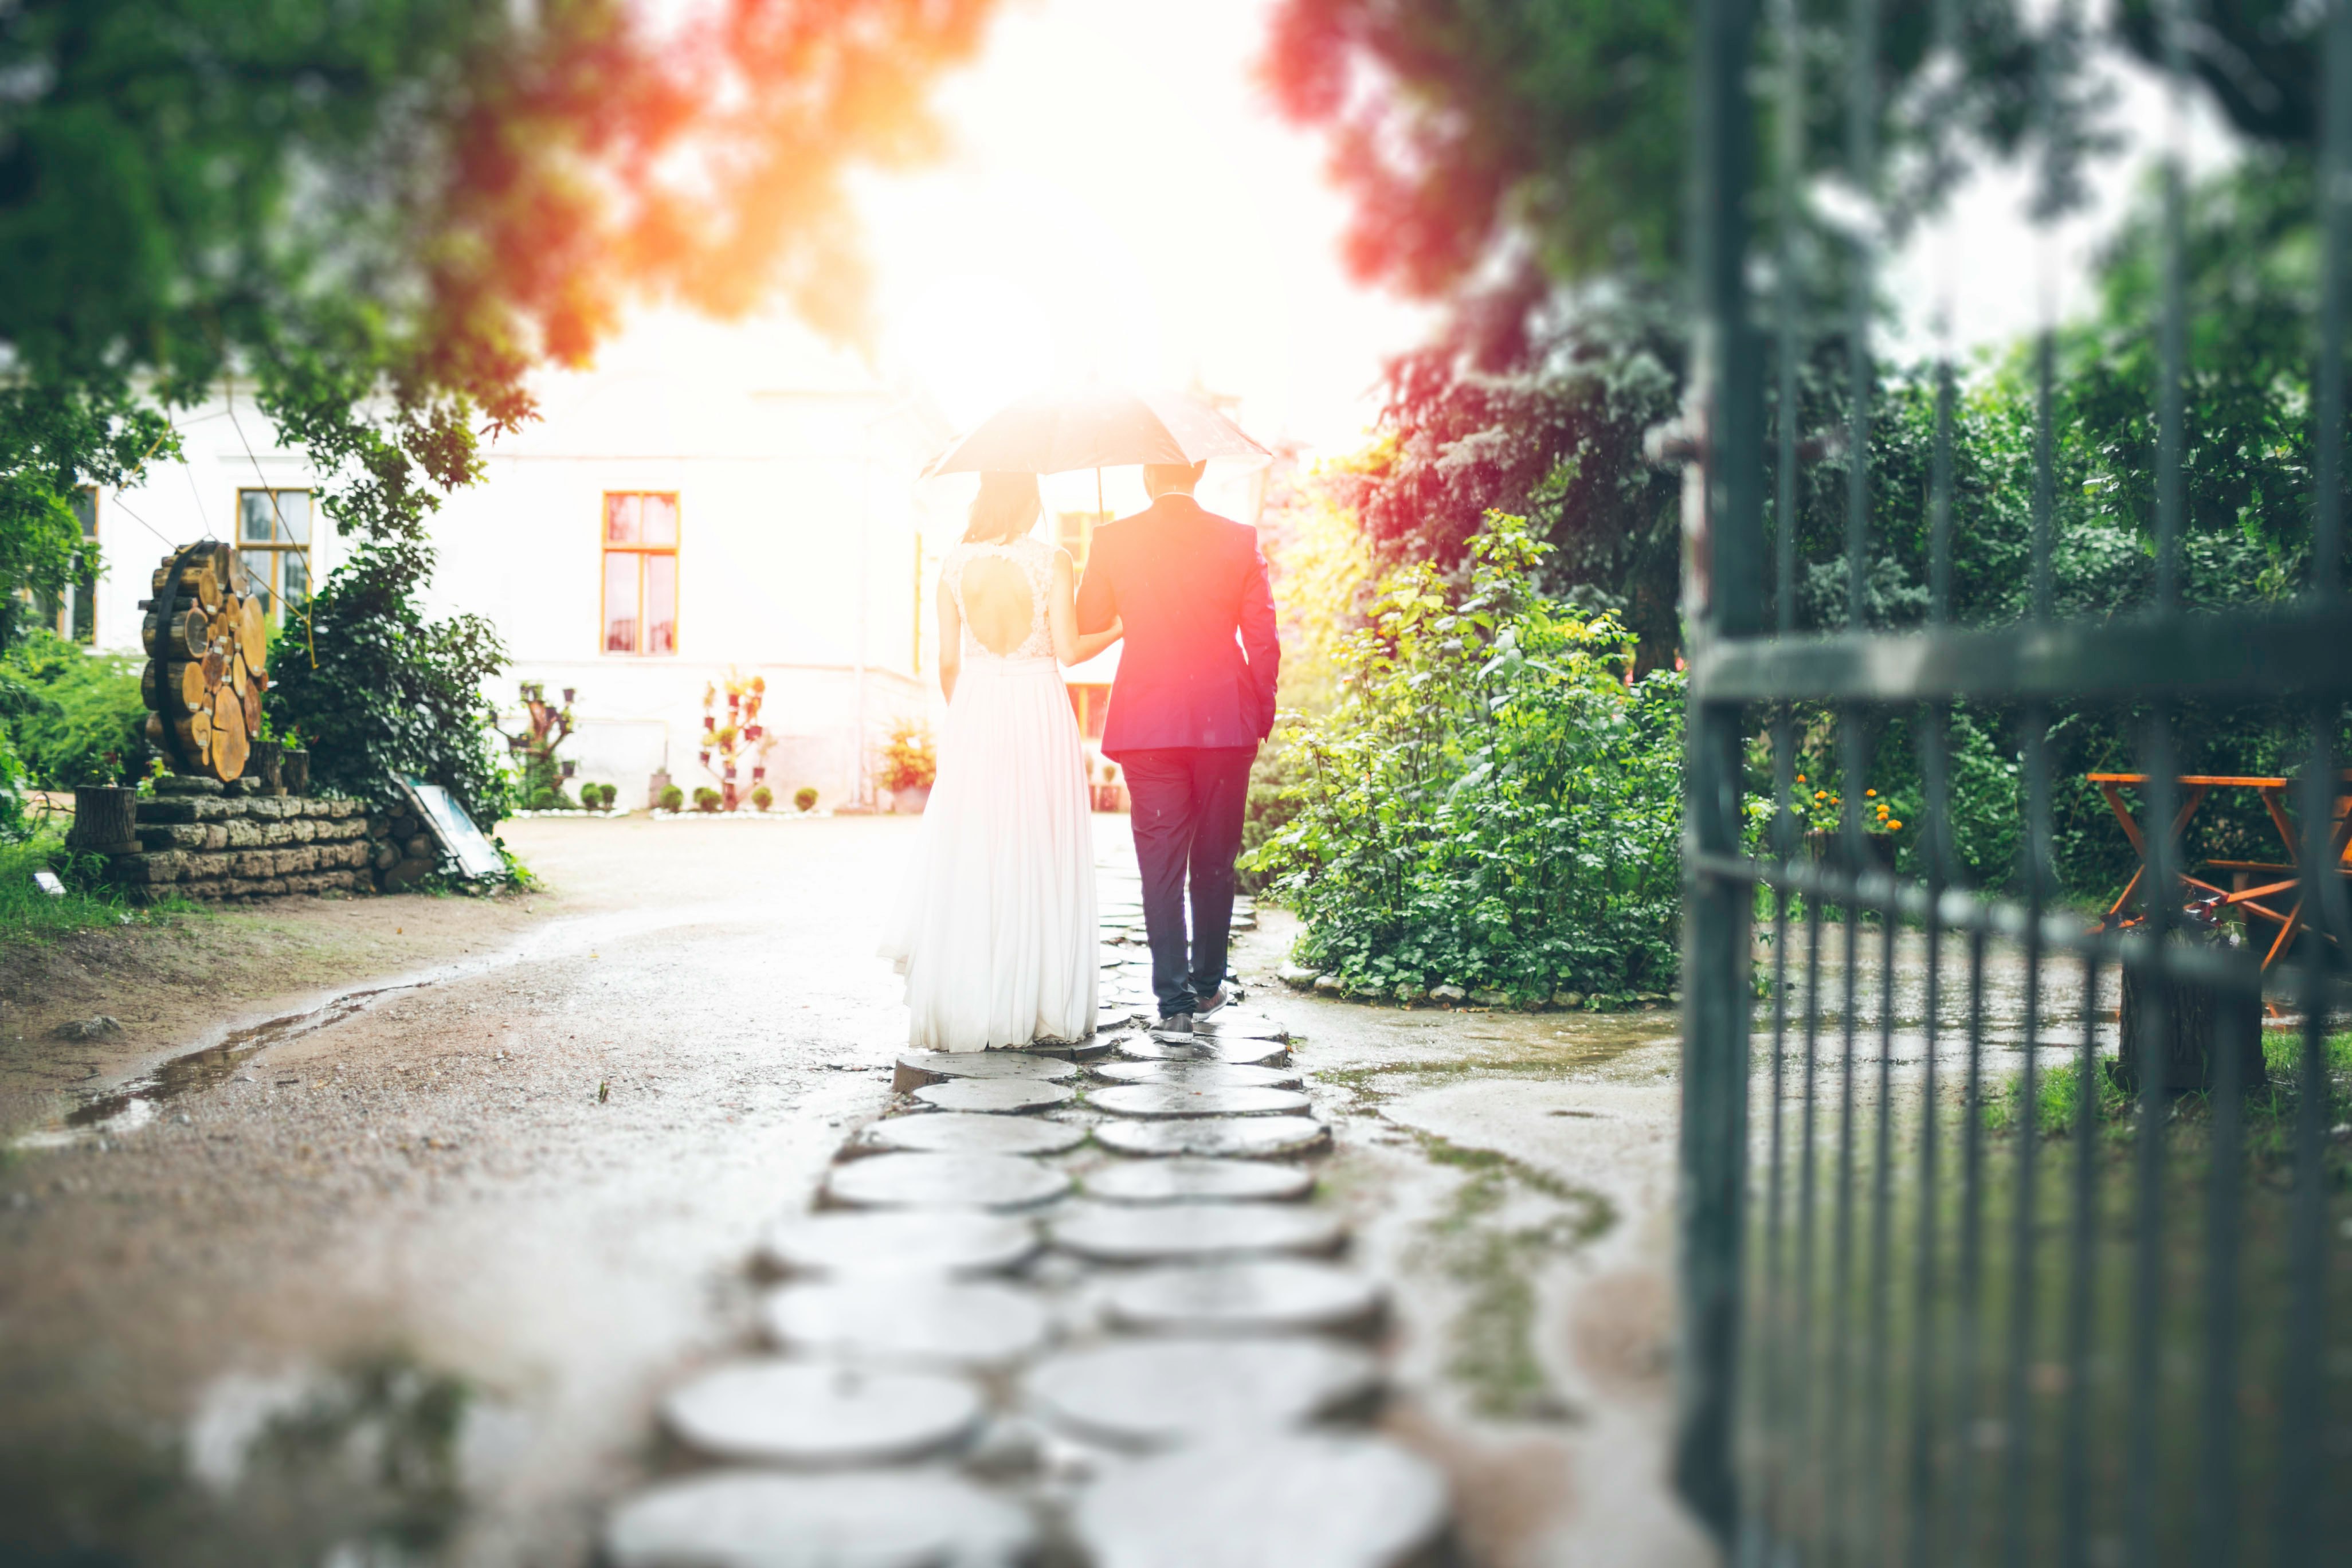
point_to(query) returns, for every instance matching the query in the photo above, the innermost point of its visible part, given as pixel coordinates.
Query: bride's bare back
(998, 604)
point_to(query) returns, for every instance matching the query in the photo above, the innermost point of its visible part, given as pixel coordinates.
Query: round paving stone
(1084, 1050)
(1156, 1393)
(1297, 1500)
(1164, 1099)
(1150, 1047)
(916, 1069)
(996, 1096)
(1245, 1137)
(1184, 1233)
(944, 1182)
(1187, 1178)
(898, 1242)
(908, 1320)
(772, 1411)
(1265, 1296)
(1228, 1024)
(1200, 1074)
(750, 1519)
(972, 1133)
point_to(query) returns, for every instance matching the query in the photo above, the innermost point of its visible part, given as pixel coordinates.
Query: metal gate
(1907, 1336)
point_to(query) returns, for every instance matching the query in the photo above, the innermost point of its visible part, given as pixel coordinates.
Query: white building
(712, 500)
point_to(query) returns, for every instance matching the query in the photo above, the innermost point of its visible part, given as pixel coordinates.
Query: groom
(1193, 697)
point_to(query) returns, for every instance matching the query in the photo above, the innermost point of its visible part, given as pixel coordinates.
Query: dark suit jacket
(1184, 581)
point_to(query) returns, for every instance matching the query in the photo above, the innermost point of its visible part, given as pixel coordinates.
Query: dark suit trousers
(1188, 807)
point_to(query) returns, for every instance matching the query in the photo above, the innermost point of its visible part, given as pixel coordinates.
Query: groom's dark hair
(1159, 477)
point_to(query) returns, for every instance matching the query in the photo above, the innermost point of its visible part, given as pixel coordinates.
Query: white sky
(1122, 202)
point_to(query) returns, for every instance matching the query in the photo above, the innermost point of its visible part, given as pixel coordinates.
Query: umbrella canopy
(1098, 427)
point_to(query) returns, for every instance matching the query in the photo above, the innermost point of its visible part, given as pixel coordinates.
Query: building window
(273, 541)
(641, 572)
(74, 613)
(1074, 531)
(1090, 703)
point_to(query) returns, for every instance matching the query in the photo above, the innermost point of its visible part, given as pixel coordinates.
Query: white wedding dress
(995, 929)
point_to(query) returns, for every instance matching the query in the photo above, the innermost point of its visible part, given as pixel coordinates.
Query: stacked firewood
(206, 637)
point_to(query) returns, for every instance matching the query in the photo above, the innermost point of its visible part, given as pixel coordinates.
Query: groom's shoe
(1174, 1024)
(1211, 1002)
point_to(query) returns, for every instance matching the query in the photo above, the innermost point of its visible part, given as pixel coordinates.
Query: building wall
(802, 528)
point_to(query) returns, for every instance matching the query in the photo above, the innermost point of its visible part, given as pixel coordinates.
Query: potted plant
(673, 799)
(1822, 814)
(762, 797)
(706, 799)
(805, 798)
(909, 765)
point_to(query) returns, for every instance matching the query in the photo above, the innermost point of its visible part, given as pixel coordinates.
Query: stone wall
(227, 845)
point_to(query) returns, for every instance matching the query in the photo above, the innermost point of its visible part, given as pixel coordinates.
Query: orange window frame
(605, 549)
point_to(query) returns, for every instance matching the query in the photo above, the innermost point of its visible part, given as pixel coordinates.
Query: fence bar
(2081, 1236)
(2144, 1403)
(1969, 1348)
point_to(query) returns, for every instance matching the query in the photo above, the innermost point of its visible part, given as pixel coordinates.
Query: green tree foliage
(392, 693)
(74, 717)
(1490, 804)
(376, 215)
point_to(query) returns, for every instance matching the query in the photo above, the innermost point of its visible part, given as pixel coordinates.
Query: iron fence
(1917, 1327)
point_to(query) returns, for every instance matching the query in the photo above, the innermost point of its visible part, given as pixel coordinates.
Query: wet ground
(400, 1280)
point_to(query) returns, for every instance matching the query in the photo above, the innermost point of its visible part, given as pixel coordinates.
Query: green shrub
(393, 693)
(1490, 804)
(75, 716)
(804, 797)
(764, 797)
(673, 799)
(707, 799)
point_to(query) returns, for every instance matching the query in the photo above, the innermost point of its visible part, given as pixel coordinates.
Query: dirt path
(399, 1278)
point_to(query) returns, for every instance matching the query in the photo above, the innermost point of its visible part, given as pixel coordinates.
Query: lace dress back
(1034, 559)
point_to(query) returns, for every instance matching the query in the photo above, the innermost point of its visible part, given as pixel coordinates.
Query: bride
(995, 929)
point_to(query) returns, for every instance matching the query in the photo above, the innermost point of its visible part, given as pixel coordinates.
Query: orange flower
(1870, 791)
(1895, 824)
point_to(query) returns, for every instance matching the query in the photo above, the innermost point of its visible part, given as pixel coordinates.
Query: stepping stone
(1200, 1074)
(739, 1518)
(778, 1412)
(916, 1069)
(1085, 1050)
(972, 1133)
(1272, 1295)
(1151, 1047)
(1153, 1393)
(1298, 1501)
(1186, 1179)
(899, 1318)
(1237, 1137)
(1166, 1099)
(901, 1242)
(1230, 1024)
(996, 1096)
(1187, 1233)
(943, 1181)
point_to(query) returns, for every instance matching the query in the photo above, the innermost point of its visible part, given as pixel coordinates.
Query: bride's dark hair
(1006, 508)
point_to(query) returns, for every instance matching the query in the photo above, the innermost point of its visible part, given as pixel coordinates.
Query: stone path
(1071, 1305)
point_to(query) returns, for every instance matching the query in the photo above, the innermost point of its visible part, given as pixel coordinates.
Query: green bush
(1490, 804)
(804, 797)
(673, 799)
(393, 693)
(75, 716)
(707, 799)
(764, 797)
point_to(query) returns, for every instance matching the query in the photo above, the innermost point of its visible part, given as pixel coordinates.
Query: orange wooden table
(2287, 874)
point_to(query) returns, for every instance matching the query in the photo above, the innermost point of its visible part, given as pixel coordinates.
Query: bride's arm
(1070, 646)
(951, 640)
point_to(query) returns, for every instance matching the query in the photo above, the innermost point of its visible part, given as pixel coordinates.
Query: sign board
(475, 856)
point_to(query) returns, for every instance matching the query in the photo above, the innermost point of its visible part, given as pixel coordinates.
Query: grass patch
(30, 917)
(1494, 1260)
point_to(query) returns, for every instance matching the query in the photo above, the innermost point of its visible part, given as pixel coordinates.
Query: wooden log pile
(205, 635)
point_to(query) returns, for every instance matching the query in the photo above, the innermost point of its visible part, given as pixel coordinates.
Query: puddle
(370, 1464)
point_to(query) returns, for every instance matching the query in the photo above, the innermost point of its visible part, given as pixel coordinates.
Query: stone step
(1186, 1178)
(891, 1519)
(1159, 1102)
(916, 1069)
(1152, 1394)
(776, 1412)
(898, 1241)
(1241, 1137)
(967, 1132)
(996, 1096)
(1189, 1233)
(943, 1181)
(1261, 1295)
(903, 1319)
